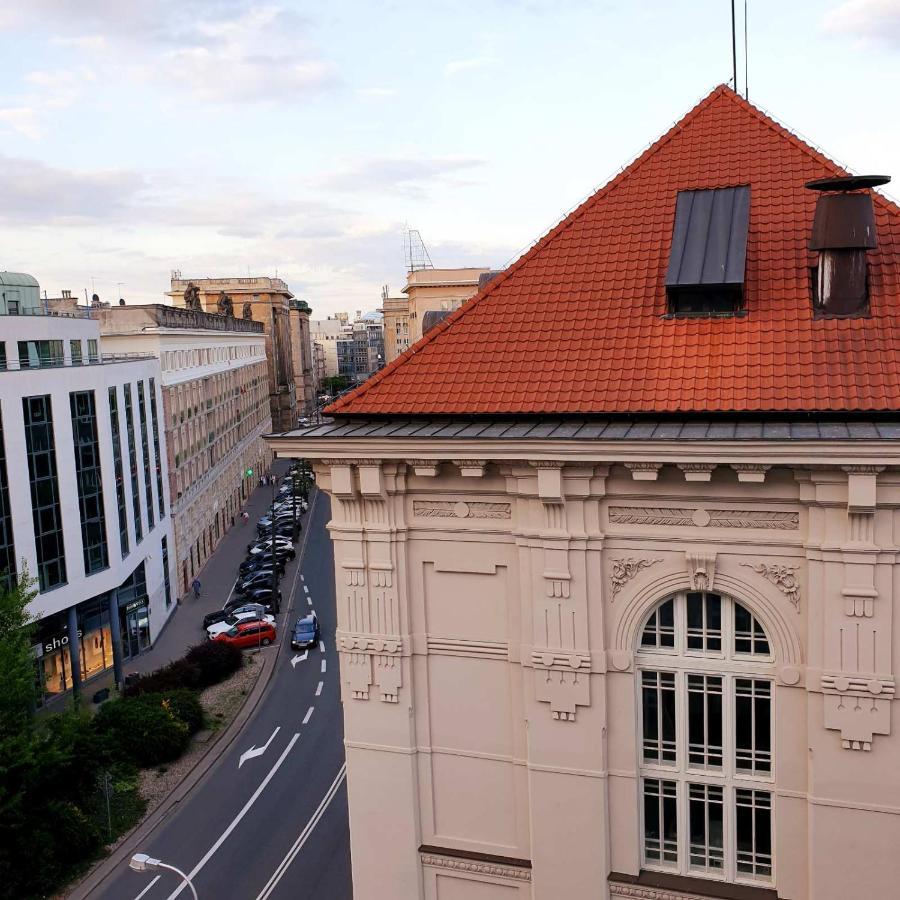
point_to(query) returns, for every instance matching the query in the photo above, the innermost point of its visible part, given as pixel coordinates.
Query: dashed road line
(305, 589)
(309, 601)
(323, 665)
(308, 715)
(319, 689)
(321, 646)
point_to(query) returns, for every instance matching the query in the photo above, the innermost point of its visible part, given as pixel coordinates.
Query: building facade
(265, 300)
(616, 600)
(303, 361)
(84, 499)
(325, 333)
(396, 326)
(215, 408)
(438, 290)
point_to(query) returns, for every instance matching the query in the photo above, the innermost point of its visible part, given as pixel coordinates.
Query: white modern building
(84, 502)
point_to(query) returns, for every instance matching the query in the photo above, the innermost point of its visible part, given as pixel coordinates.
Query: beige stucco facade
(441, 290)
(214, 405)
(492, 601)
(396, 326)
(270, 303)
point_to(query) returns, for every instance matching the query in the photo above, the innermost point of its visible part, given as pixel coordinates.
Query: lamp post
(141, 862)
(275, 604)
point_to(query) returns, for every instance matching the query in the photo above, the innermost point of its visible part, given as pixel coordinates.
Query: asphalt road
(275, 826)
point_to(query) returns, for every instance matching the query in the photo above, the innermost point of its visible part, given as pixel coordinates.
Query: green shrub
(186, 706)
(216, 660)
(175, 676)
(143, 729)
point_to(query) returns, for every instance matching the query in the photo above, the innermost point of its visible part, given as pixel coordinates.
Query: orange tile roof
(576, 325)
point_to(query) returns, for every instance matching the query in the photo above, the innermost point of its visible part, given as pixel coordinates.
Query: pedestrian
(195, 584)
(262, 480)
(245, 517)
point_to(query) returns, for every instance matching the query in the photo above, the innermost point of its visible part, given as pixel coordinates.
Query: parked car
(306, 632)
(239, 604)
(258, 578)
(283, 545)
(263, 595)
(282, 529)
(261, 561)
(238, 619)
(249, 634)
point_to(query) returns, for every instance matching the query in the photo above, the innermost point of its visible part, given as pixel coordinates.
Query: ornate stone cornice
(448, 509)
(751, 472)
(475, 866)
(697, 471)
(644, 471)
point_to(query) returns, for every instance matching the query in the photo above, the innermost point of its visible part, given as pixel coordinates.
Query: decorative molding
(460, 647)
(863, 470)
(644, 471)
(558, 584)
(859, 602)
(470, 468)
(545, 463)
(372, 659)
(753, 473)
(476, 867)
(425, 467)
(450, 509)
(701, 567)
(703, 518)
(623, 570)
(697, 471)
(782, 577)
(355, 576)
(562, 679)
(859, 706)
(370, 643)
(638, 892)
(561, 659)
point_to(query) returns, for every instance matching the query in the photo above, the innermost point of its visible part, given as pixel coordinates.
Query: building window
(75, 351)
(89, 479)
(132, 464)
(40, 354)
(93, 352)
(145, 449)
(165, 564)
(46, 512)
(2, 356)
(155, 425)
(7, 548)
(705, 692)
(117, 467)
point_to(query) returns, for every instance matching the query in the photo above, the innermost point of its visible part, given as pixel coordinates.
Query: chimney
(843, 232)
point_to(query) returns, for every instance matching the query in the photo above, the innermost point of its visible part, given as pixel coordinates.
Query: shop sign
(134, 605)
(56, 642)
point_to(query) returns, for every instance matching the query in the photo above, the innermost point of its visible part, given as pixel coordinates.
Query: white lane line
(236, 820)
(321, 646)
(319, 689)
(144, 891)
(323, 665)
(305, 589)
(302, 578)
(309, 601)
(278, 874)
(308, 715)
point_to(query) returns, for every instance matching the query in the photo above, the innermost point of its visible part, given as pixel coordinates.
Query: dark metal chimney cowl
(843, 232)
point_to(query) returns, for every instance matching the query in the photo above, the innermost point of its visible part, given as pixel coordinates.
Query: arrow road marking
(319, 689)
(299, 658)
(258, 751)
(308, 715)
(323, 665)
(304, 835)
(236, 820)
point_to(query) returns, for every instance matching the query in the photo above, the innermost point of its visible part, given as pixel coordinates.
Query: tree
(17, 699)
(334, 384)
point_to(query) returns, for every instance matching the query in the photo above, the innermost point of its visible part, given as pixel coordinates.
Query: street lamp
(141, 862)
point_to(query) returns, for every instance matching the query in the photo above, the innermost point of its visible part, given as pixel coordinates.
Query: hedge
(143, 729)
(203, 665)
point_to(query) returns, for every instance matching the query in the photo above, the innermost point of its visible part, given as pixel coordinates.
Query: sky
(232, 137)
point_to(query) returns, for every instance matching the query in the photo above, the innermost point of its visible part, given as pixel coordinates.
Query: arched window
(704, 671)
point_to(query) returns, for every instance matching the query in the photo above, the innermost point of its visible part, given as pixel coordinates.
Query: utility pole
(275, 604)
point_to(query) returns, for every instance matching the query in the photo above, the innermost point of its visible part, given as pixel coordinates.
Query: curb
(112, 863)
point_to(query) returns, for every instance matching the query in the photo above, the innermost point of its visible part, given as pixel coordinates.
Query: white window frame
(729, 666)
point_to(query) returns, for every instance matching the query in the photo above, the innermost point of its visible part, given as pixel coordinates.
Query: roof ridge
(560, 226)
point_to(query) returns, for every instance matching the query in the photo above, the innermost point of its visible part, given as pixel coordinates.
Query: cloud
(408, 176)
(23, 119)
(454, 67)
(378, 92)
(871, 21)
(34, 192)
(92, 42)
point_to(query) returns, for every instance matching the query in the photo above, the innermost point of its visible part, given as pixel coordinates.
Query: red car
(248, 634)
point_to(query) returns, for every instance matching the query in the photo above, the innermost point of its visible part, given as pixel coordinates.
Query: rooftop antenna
(417, 257)
(733, 50)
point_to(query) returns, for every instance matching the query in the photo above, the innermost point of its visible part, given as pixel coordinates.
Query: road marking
(144, 891)
(308, 715)
(319, 689)
(305, 589)
(237, 819)
(302, 578)
(299, 658)
(321, 646)
(309, 601)
(255, 751)
(278, 874)
(323, 665)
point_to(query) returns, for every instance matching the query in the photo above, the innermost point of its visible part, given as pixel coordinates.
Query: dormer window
(709, 251)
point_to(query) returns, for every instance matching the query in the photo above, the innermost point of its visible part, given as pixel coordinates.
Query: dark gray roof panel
(709, 238)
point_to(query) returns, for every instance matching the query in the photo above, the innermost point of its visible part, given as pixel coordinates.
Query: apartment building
(215, 404)
(396, 325)
(268, 301)
(325, 333)
(616, 550)
(84, 496)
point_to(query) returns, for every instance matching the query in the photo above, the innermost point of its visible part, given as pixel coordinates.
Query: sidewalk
(185, 626)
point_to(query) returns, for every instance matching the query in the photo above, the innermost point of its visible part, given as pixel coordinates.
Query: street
(269, 819)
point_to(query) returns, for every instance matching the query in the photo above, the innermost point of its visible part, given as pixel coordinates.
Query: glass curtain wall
(89, 479)
(132, 462)
(117, 466)
(7, 549)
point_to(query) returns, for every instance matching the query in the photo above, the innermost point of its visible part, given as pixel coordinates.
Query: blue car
(306, 632)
